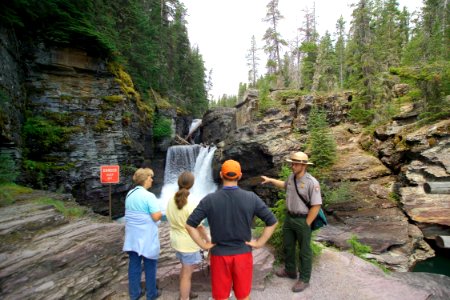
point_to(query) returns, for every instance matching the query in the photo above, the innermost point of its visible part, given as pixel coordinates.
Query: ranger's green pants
(295, 229)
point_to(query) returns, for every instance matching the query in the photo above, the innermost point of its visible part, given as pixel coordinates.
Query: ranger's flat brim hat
(299, 158)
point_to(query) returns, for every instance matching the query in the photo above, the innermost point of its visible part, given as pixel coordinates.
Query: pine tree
(252, 62)
(340, 49)
(325, 68)
(362, 64)
(436, 29)
(388, 37)
(321, 143)
(273, 39)
(195, 90)
(296, 72)
(308, 48)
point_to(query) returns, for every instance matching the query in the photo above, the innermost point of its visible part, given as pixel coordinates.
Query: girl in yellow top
(187, 251)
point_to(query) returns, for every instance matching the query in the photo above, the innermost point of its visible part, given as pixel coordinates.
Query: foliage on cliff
(379, 42)
(149, 38)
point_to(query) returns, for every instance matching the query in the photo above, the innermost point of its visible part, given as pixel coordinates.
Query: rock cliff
(65, 113)
(47, 255)
(384, 172)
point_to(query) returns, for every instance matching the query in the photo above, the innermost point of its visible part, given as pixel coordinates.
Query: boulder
(426, 208)
(217, 123)
(45, 255)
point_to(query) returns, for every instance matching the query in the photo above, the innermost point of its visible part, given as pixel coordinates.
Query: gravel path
(340, 275)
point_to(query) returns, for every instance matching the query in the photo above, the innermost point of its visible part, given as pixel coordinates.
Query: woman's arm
(203, 234)
(196, 236)
(156, 216)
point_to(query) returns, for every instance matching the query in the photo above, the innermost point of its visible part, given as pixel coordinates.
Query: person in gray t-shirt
(297, 224)
(230, 212)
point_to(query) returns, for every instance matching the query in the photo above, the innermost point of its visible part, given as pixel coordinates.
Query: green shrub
(8, 170)
(265, 101)
(361, 115)
(162, 127)
(321, 143)
(358, 248)
(341, 193)
(43, 136)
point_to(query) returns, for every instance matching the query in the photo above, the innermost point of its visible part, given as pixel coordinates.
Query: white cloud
(222, 29)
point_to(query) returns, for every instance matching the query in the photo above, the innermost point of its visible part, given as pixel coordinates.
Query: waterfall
(194, 134)
(194, 158)
(194, 125)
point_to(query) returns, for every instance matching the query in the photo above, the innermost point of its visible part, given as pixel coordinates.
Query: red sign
(109, 174)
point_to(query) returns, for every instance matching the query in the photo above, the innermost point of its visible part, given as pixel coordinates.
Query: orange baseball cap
(231, 169)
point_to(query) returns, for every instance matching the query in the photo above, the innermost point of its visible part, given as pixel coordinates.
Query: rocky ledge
(45, 255)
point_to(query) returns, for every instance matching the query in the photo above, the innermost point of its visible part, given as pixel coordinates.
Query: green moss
(127, 87)
(161, 103)
(124, 79)
(4, 97)
(61, 119)
(101, 125)
(66, 98)
(45, 166)
(113, 98)
(126, 141)
(289, 94)
(127, 170)
(126, 118)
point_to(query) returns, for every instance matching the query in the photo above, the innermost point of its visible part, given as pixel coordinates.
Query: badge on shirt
(317, 188)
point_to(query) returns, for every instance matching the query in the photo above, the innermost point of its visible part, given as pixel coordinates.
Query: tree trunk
(437, 187)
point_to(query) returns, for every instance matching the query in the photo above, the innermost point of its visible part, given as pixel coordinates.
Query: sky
(222, 30)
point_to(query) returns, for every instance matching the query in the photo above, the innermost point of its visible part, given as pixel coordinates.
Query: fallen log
(437, 187)
(443, 241)
(180, 141)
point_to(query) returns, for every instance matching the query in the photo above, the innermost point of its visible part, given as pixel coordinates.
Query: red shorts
(231, 270)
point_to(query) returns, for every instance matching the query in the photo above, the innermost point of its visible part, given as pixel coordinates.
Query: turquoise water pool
(440, 264)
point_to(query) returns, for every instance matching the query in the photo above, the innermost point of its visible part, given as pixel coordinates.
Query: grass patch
(69, 210)
(9, 191)
(342, 193)
(359, 249)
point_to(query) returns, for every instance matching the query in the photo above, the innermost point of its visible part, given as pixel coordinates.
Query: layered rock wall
(373, 171)
(97, 120)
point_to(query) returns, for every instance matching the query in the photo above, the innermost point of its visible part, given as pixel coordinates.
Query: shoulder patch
(317, 188)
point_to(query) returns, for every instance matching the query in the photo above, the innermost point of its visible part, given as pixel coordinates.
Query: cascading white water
(194, 125)
(194, 158)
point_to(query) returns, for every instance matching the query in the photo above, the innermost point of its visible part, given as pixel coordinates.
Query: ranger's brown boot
(299, 286)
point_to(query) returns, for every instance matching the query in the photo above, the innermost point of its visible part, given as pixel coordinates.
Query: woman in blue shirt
(142, 213)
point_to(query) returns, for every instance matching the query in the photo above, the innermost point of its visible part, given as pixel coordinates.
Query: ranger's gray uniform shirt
(308, 187)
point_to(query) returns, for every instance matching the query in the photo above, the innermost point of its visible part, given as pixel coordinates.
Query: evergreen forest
(380, 46)
(148, 38)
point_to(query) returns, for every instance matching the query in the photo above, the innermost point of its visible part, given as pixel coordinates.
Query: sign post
(109, 174)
